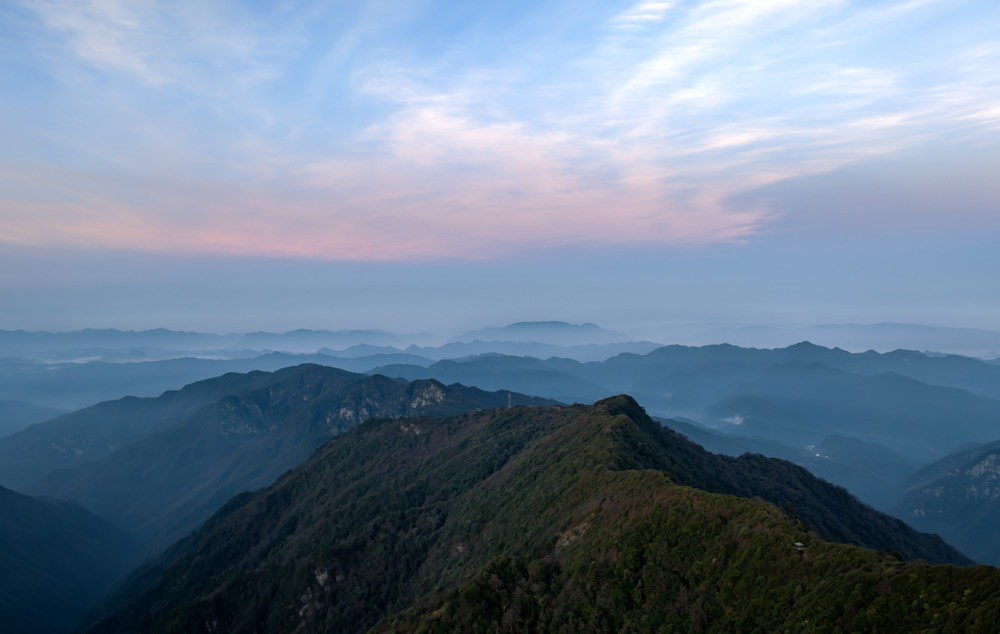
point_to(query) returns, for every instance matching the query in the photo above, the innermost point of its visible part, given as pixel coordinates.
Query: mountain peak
(623, 405)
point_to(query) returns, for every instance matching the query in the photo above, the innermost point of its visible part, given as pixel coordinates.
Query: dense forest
(535, 519)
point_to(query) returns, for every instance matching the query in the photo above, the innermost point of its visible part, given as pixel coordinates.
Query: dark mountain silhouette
(165, 485)
(56, 561)
(547, 519)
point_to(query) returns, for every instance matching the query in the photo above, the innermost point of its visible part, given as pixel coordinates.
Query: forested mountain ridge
(531, 519)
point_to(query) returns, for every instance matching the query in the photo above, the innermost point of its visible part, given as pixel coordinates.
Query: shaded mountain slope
(167, 484)
(829, 510)
(803, 403)
(959, 497)
(870, 471)
(530, 519)
(973, 375)
(94, 432)
(56, 561)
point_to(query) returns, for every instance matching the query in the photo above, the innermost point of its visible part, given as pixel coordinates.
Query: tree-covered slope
(534, 519)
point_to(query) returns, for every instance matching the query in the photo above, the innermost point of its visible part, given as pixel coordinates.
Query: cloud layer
(399, 130)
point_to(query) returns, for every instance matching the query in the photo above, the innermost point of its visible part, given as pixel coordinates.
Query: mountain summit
(581, 518)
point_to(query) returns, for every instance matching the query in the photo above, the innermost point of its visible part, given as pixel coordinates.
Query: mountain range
(165, 484)
(581, 518)
(865, 421)
(551, 332)
(796, 395)
(157, 467)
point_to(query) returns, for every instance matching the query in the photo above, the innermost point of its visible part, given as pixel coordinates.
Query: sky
(440, 165)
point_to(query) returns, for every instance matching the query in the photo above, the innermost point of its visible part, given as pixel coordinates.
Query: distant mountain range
(43, 344)
(582, 518)
(77, 369)
(796, 395)
(858, 337)
(550, 332)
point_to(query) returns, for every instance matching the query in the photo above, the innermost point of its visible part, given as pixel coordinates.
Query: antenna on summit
(508, 400)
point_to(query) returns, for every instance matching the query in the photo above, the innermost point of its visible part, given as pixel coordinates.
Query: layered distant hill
(551, 332)
(56, 560)
(796, 395)
(863, 420)
(548, 519)
(158, 341)
(77, 369)
(909, 406)
(879, 336)
(174, 471)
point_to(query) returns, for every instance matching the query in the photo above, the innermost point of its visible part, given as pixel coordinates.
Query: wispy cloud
(643, 13)
(187, 44)
(350, 135)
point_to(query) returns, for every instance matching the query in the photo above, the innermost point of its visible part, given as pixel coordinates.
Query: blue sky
(767, 161)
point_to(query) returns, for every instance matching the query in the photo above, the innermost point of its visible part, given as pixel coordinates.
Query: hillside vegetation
(543, 519)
